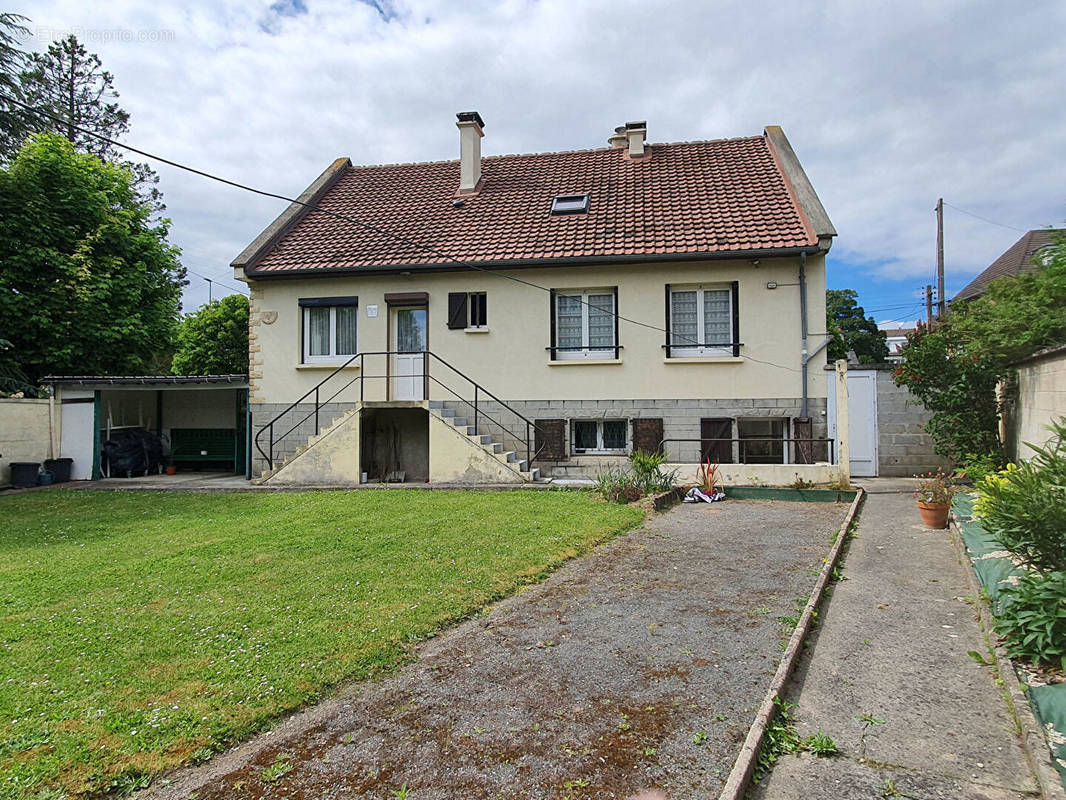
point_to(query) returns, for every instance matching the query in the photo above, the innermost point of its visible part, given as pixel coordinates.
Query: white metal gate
(862, 419)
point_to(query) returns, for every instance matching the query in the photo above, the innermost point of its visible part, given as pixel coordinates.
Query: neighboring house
(588, 303)
(896, 337)
(1022, 256)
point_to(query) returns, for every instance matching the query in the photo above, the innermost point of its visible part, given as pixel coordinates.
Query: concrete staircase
(488, 442)
(329, 432)
(331, 458)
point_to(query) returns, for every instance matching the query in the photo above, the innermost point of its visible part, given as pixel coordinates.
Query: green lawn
(140, 630)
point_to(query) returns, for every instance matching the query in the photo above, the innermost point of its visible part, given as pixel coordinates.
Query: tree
(214, 340)
(12, 59)
(89, 282)
(956, 368)
(68, 83)
(851, 329)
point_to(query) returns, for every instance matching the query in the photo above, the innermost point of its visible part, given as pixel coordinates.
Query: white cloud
(889, 106)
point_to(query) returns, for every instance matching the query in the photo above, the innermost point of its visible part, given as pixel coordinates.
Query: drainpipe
(804, 357)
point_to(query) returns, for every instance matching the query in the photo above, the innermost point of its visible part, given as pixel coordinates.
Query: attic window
(570, 204)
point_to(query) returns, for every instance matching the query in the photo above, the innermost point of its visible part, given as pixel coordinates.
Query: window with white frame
(598, 436)
(701, 321)
(329, 329)
(585, 324)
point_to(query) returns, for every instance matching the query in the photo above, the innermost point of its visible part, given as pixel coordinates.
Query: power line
(985, 219)
(311, 206)
(214, 280)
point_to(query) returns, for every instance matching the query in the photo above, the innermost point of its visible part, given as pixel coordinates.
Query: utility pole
(928, 305)
(209, 285)
(941, 305)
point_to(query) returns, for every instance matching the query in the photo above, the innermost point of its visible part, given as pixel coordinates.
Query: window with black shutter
(467, 310)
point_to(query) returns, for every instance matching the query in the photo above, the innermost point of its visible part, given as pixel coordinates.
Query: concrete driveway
(640, 665)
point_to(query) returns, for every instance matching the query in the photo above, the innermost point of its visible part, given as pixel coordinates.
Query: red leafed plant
(709, 478)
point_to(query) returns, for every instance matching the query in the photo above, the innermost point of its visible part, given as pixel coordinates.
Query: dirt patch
(640, 665)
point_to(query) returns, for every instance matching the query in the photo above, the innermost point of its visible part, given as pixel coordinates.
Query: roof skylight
(570, 204)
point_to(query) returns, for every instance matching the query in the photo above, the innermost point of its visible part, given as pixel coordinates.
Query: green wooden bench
(202, 444)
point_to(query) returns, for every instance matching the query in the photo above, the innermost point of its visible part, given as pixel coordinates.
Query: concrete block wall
(681, 418)
(302, 417)
(904, 448)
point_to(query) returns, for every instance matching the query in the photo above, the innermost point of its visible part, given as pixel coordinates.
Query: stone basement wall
(681, 418)
(903, 447)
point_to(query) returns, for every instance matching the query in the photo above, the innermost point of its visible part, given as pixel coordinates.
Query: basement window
(607, 436)
(570, 204)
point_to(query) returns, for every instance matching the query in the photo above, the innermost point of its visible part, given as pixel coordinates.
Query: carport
(202, 420)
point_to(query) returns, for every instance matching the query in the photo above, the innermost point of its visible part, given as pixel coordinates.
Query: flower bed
(997, 569)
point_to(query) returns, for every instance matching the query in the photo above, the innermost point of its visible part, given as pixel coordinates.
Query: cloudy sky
(889, 105)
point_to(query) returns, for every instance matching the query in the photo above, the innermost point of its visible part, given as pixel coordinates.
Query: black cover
(132, 451)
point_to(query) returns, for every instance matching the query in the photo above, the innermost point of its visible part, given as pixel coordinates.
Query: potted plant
(934, 494)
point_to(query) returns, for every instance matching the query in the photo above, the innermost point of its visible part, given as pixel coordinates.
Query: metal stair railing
(317, 391)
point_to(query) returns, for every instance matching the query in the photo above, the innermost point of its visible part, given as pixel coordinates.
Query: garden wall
(903, 447)
(24, 433)
(1041, 398)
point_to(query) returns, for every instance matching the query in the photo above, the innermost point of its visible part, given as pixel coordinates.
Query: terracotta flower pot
(934, 515)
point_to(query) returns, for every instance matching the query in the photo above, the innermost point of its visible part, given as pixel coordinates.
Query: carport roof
(145, 380)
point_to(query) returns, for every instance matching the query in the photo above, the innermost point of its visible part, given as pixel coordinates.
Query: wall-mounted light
(771, 284)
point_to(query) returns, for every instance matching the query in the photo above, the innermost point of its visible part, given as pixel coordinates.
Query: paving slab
(638, 666)
(894, 646)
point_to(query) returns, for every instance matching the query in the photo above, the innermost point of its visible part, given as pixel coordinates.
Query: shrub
(1024, 506)
(1032, 619)
(646, 468)
(976, 467)
(648, 473)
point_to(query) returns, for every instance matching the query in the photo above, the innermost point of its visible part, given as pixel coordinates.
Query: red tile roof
(725, 196)
(1017, 259)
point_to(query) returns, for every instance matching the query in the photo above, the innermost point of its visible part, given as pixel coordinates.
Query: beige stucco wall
(331, 460)
(24, 432)
(1041, 399)
(454, 458)
(511, 360)
(182, 408)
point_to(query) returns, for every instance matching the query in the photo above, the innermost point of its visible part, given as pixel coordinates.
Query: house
(896, 337)
(1022, 256)
(496, 319)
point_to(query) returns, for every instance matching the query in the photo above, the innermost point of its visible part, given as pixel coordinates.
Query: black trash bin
(24, 473)
(59, 467)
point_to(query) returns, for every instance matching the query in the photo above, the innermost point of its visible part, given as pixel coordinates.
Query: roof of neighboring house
(1017, 259)
(142, 380)
(746, 197)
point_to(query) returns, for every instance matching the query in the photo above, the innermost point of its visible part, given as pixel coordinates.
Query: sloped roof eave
(813, 248)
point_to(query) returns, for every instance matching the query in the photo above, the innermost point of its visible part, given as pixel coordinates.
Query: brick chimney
(471, 129)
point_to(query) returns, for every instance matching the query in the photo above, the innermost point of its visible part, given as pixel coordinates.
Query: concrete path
(888, 676)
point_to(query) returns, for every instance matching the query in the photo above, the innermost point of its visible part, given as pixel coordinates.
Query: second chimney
(636, 133)
(471, 129)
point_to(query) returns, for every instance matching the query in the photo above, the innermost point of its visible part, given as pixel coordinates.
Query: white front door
(408, 346)
(862, 419)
